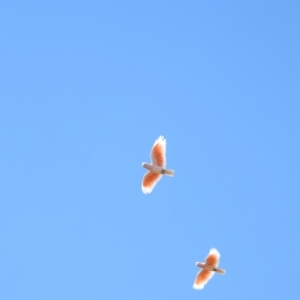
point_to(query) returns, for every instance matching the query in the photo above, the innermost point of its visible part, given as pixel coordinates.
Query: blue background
(87, 87)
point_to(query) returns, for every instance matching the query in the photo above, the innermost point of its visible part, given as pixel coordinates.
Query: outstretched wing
(202, 278)
(158, 152)
(213, 258)
(149, 181)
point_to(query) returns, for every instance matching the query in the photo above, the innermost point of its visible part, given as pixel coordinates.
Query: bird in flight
(157, 168)
(208, 269)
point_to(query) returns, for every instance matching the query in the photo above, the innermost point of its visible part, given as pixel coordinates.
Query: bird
(208, 269)
(157, 168)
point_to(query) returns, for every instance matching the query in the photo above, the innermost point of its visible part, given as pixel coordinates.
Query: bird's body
(153, 168)
(157, 168)
(208, 269)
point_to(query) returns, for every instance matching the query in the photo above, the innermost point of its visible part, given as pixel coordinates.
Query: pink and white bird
(157, 168)
(208, 269)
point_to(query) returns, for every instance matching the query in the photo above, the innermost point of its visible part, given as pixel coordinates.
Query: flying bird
(157, 168)
(208, 269)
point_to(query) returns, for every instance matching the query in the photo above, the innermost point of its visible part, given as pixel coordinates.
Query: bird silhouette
(157, 168)
(208, 269)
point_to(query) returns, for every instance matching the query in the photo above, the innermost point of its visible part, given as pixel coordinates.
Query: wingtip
(198, 287)
(214, 251)
(146, 190)
(161, 139)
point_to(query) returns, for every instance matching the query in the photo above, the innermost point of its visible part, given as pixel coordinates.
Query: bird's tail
(169, 172)
(221, 271)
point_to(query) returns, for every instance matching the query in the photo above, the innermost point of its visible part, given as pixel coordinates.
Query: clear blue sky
(87, 87)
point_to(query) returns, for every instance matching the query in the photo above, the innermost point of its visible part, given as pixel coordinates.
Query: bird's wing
(149, 181)
(213, 257)
(202, 278)
(158, 152)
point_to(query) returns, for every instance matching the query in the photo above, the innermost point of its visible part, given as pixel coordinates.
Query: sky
(86, 89)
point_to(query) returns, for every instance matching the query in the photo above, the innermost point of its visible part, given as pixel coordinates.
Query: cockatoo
(157, 168)
(208, 269)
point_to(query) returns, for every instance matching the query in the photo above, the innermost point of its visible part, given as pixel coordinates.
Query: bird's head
(200, 265)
